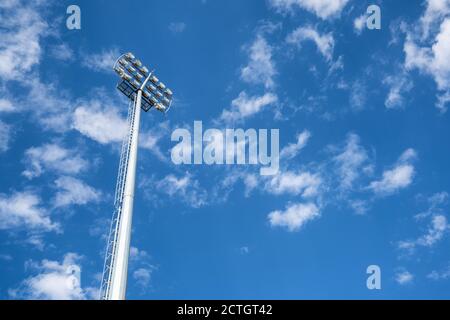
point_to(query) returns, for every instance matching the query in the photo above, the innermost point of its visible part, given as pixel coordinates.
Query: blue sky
(364, 129)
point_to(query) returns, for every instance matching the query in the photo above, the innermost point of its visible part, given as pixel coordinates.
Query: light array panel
(133, 73)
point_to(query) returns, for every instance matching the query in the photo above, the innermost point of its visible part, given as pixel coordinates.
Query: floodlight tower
(144, 91)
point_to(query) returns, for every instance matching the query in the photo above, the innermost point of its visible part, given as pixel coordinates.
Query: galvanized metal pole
(120, 268)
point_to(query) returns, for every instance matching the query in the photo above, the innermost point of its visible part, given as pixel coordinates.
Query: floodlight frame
(126, 86)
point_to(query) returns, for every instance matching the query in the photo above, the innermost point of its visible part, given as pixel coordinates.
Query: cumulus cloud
(73, 191)
(324, 42)
(404, 277)
(261, 68)
(245, 106)
(295, 216)
(55, 281)
(54, 158)
(430, 56)
(99, 122)
(324, 9)
(302, 183)
(397, 178)
(143, 276)
(24, 210)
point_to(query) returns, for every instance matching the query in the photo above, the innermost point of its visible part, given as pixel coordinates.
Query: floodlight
(161, 86)
(131, 69)
(123, 62)
(139, 76)
(152, 88)
(154, 79)
(160, 107)
(168, 92)
(126, 77)
(144, 70)
(166, 101)
(129, 56)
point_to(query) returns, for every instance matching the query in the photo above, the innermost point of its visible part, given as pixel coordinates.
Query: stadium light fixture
(145, 91)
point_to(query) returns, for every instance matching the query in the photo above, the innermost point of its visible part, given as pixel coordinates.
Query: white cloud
(99, 122)
(351, 161)
(432, 60)
(438, 228)
(245, 106)
(143, 276)
(55, 281)
(436, 10)
(184, 188)
(50, 105)
(21, 30)
(358, 95)
(177, 27)
(398, 86)
(295, 216)
(322, 8)
(359, 23)
(138, 255)
(324, 42)
(261, 68)
(72, 191)
(5, 136)
(293, 149)
(6, 105)
(54, 158)
(440, 275)
(438, 225)
(397, 178)
(23, 210)
(62, 52)
(404, 277)
(102, 61)
(302, 183)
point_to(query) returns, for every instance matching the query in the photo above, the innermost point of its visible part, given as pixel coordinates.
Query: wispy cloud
(54, 158)
(23, 210)
(72, 191)
(102, 61)
(245, 106)
(324, 9)
(261, 67)
(324, 42)
(177, 27)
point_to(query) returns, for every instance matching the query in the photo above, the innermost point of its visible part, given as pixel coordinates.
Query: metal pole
(120, 268)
